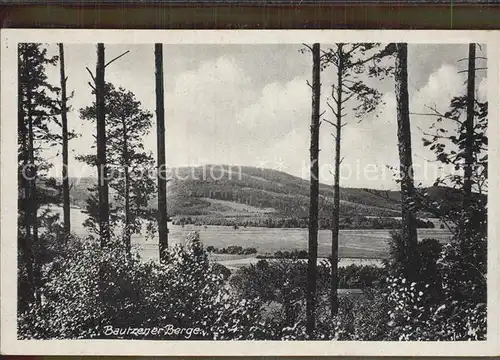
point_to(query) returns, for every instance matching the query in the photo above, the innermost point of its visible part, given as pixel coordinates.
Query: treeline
(348, 223)
(294, 254)
(232, 250)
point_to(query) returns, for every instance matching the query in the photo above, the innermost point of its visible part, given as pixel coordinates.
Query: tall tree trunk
(64, 123)
(101, 148)
(25, 242)
(32, 222)
(409, 228)
(469, 126)
(161, 172)
(314, 194)
(126, 232)
(336, 190)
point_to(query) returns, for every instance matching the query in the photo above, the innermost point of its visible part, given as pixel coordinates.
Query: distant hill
(248, 191)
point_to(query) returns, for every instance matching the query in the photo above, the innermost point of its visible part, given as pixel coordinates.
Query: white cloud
(215, 113)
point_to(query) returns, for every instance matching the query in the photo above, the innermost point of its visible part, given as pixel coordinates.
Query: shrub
(185, 291)
(447, 298)
(360, 276)
(232, 250)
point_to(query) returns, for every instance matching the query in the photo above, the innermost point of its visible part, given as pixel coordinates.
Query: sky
(251, 105)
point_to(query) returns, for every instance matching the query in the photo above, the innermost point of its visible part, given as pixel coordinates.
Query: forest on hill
(267, 188)
(273, 198)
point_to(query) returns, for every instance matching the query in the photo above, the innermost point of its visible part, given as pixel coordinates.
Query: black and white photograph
(279, 191)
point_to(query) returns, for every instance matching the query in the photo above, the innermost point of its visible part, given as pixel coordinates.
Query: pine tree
(36, 111)
(469, 125)
(65, 138)
(99, 90)
(129, 165)
(409, 227)
(349, 62)
(101, 163)
(161, 161)
(314, 193)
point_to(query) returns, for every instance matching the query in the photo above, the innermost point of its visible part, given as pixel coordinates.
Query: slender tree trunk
(469, 126)
(160, 132)
(314, 194)
(101, 148)
(26, 243)
(64, 123)
(336, 190)
(409, 229)
(126, 234)
(32, 221)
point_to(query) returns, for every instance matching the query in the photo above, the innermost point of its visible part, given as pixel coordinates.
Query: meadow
(353, 244)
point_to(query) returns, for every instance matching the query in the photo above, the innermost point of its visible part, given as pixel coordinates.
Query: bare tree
(314, 192)
(64, 124)
(160, 133)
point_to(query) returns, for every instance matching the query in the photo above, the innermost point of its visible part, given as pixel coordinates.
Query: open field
(368, 244)
(358, 244)
(230, 208)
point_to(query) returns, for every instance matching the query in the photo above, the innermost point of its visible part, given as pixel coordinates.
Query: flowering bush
(447, 300)
(416, 316)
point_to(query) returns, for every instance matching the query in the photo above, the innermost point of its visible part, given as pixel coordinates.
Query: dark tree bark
(32, 206)
(314, 193)
(101, 148)
(25, 244)
(469, 126)
(30, 213)
(409, 228)
(126, 232)
(336, 189)
(160, 133)
(64, 123)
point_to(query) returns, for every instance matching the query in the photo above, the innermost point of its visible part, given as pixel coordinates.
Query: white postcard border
(8, 190)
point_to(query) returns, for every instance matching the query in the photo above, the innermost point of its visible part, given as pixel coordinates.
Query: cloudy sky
(250, 105)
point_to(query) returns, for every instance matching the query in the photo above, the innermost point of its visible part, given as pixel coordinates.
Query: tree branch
(433, 135)
(330, 122)
(332, 109)
(435, 113)
(477, 57)
(91, 75)
(354, 48)
(116, 58)
(348, 97)
(480, 68)
(307, 46)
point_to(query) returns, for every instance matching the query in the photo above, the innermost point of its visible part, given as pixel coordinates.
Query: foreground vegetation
(262, 301)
